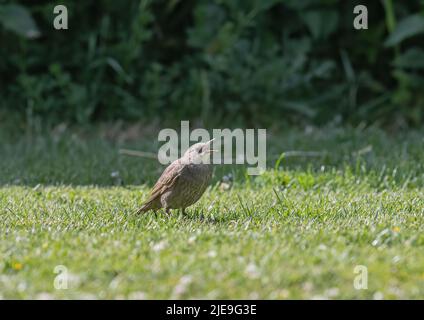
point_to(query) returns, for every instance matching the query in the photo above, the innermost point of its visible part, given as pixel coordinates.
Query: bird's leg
(183, 211)
(168, 211)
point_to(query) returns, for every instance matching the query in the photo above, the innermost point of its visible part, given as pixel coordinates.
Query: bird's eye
(200, 150)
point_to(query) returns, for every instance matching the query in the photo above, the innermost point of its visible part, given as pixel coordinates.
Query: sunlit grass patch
(297, 231)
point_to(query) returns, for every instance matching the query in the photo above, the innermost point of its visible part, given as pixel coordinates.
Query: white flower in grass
(44, 296)
(87, 296)
(212, 254)
(137, 295)
(182, 286)
(159, 246)
(252, 271)
(378, 296)
(332, 292)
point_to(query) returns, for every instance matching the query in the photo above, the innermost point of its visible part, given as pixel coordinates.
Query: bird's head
(199, 153)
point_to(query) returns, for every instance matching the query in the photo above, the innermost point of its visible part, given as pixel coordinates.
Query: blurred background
(244, 62)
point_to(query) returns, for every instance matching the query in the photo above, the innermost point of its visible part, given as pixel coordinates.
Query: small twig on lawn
(363, 151)
(296, 153)
(136, 153)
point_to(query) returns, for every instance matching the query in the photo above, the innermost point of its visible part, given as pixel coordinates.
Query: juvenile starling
(183, 182)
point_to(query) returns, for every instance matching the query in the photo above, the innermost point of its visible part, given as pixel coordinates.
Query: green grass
(297, 231)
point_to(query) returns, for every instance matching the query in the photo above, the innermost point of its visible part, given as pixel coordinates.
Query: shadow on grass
(81, 161)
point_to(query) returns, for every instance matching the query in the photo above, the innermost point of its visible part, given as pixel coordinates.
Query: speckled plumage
(181, 184)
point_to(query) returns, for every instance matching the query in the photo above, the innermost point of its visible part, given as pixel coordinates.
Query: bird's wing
(167, 179)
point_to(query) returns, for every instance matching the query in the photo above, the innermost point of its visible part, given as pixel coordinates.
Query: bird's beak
(209, 144)
(210, 141)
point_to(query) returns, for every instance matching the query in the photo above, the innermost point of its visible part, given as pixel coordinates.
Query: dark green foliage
(249, 61)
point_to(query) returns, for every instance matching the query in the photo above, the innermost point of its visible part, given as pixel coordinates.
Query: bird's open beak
(209, 144)
(210, 141)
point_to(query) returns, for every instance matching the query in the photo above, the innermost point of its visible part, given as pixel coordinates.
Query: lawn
(344, 198)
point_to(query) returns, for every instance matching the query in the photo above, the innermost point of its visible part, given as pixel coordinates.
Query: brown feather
(166, 181)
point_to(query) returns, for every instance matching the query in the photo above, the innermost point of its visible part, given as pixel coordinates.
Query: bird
(183, 182)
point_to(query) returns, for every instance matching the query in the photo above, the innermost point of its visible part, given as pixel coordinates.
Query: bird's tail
(149, 205)
(144, 208)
